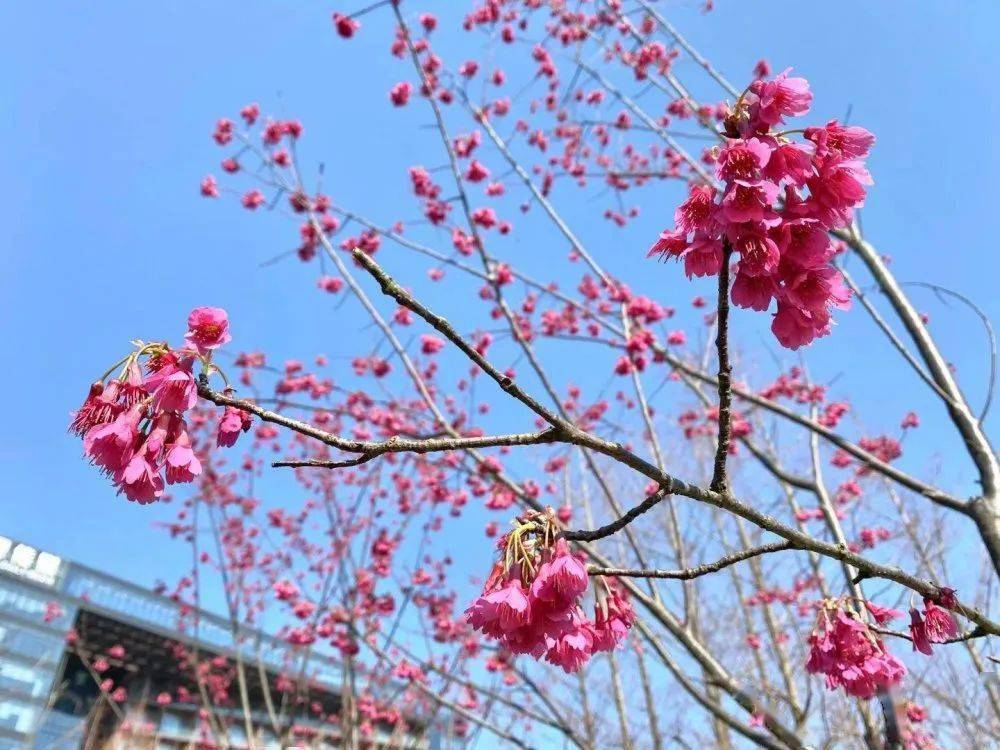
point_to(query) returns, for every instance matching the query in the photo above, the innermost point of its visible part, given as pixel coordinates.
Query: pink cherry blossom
(233, 422)
(789, 162)
(345, 25)
(795, 327)
(749, 201)
(476, 172)
(703, 257)
(759, 255)
(252, 199)
(742, 160)
(804, 243)
(100, 407)
(781, 97)
(181, 463)
(753, 292)
(934, 625)
(844, 648)
(669, 244)
(571, 648)
(837, 188)
(612, 621)
(140, 481)
(400, 93)
(209, 187)
(208, 328)
(173, 387)
(250, 113)
(698, 212)
(778, 203)
(501, 610)
(112, 445)
(561, 579)
(430, 344)
(849, 141)
(882, 615)
(531, 604)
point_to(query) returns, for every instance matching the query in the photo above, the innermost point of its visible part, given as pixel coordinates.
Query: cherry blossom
(779, 235)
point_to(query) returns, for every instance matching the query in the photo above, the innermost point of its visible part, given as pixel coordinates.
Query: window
(237, 735)
(176, 724)
(31, 644)
(15, 597)
(23, 679)
(17, 716)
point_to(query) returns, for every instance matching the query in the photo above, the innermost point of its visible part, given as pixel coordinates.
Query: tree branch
(569, 433)
(689, 573)
(584, 535)
(720, 481)
(367, 448)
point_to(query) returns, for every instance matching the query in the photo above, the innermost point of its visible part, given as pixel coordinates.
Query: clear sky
(109, 107)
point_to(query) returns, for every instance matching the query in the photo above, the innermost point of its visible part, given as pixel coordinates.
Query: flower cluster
(777, 203)
(133, 426)
(934, 625)
(851, 655)
(531, 601)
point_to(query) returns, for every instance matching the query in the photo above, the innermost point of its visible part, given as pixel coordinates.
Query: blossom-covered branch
(671, 485)
(354, 561)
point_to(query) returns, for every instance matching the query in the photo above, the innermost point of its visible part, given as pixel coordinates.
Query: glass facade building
(32, 637)
(47, 694)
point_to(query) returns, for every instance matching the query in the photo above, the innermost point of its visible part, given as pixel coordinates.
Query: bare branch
(967, 636)
(720, 481)
(987, 325)
(583, 535)
(984, 510)
(367, 448)
(701, 570)
(893, 338)
(976, 441)
(403, 297)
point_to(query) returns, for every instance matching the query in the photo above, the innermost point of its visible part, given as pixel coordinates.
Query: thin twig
(990, 335)
(367, 448)
(696, 572)
(584, 535)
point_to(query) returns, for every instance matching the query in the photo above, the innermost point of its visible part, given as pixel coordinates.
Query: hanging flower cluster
(845, 648)
(531, 601)
(935, 624)
(133, 426)
(778, 201)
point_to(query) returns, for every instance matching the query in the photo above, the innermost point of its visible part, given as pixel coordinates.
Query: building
(49, 690)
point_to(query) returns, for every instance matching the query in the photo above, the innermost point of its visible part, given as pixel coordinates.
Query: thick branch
(569, 433)
(984, 510)
(720, 482)
(403, 297)
(934, 494)
(978, 445)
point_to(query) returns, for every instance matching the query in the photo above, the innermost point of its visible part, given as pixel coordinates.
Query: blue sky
(106, 133)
